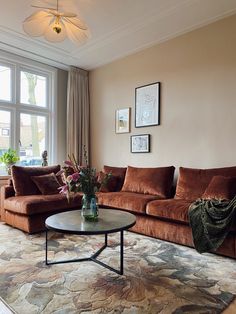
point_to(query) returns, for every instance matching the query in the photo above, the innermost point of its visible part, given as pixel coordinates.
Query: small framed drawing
(147, 105)
(123, 120)
(140, 143)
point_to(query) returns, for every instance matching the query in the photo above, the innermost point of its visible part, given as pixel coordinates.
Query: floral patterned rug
(159, 277)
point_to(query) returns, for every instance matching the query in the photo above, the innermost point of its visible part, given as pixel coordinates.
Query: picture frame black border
(158, 109)
(149, 143)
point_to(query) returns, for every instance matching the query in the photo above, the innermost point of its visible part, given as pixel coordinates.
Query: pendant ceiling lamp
(55, 26)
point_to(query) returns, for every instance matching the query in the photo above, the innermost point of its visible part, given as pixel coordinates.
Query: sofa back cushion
(154, 181)
(47, 183)
(192, 183)
(111, 184)
(22, 182)
(220, 188)
(118, 174)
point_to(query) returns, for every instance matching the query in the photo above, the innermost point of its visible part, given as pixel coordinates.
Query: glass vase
(89, 210)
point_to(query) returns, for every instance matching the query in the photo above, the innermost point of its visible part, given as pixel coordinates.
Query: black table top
(109, 220)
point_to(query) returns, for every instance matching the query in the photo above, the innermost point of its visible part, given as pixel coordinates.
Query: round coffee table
(110, 221)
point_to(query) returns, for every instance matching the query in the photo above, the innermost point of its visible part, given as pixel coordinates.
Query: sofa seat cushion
(171, 209)
(192, 183)
(37, 204)
(133, 202)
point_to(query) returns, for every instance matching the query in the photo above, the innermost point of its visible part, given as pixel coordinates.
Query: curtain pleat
(78, 113)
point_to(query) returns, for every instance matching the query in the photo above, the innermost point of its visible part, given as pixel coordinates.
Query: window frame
(12, 67)
(18, 64)
(38, 73)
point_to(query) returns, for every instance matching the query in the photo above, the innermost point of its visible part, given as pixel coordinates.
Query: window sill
(4, 177)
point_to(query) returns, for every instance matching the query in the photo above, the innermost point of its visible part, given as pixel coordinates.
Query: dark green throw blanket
(210, 221)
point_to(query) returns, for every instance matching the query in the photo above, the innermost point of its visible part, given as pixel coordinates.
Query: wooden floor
(231, 309)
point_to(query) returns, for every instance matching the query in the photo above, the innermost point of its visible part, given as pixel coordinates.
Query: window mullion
(17, 129)
(22, 114)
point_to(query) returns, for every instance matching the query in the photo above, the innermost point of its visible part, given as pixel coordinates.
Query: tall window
(26, 96)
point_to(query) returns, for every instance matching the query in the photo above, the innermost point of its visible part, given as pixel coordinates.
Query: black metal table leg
(94, 256)
(46, 248)
(121, 252)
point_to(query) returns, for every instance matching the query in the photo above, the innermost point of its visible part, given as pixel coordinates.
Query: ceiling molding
(130, 28)
(115, 33)
(159, 41)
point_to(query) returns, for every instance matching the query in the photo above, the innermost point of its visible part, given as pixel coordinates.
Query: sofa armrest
(6, 192)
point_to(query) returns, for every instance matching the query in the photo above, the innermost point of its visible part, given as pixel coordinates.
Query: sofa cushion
(37, 204)
(192, 183)
(153, 181)
(171, 209)
(112, 183)
(118, 173)
(221, 188)
(133, 202)
(22, 182)
(47, 184)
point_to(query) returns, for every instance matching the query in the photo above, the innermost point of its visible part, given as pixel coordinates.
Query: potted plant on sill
(9, 158)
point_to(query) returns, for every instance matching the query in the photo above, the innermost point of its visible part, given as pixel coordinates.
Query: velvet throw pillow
(111, 185)
(22, 182)
(221, 188)
(119, 176)
(47, 184)
(154, 181)
(192, 183)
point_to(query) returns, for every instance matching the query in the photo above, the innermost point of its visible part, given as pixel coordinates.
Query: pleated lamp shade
(56, 27)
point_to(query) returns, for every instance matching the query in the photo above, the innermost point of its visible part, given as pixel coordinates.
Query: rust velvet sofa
(25, 205)
(165, 216)
(161, 209)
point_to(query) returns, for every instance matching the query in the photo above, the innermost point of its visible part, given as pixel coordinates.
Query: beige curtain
(78, 113)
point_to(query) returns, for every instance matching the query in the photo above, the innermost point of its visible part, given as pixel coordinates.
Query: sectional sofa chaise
(160, 207)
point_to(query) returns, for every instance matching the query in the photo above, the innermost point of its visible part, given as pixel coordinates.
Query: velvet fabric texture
(22, 181)
(221, 188)
(171, 209)
(38, 204)
(47, 184)
(30, 224)
(153, 181)
(6, 191)
(178, 233)
(133, 202)
(192, 183)
(119, 173)
(112, 184)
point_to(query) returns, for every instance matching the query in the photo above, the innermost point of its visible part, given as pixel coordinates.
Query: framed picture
(123, 120)
(147, 105)
(140, 143)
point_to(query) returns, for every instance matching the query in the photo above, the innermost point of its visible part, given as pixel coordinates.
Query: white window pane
(5, 83)
(5, 132)
(32, 139)
(33, 89)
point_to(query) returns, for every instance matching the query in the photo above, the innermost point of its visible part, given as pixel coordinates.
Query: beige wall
(61, 115)
(197, 72)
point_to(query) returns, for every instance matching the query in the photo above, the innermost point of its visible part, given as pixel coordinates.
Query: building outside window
(26, 107)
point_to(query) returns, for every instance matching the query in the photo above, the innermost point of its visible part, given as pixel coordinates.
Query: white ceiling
(118, 27)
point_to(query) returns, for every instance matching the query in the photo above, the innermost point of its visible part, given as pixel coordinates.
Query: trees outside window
(26, 97)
